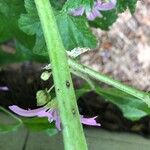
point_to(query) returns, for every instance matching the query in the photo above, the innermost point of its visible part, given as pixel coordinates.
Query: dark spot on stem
(68, 84)
(74, 70)
(73, 111)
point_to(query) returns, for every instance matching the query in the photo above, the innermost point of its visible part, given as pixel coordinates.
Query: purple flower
(50, 113)
(78, 12)
(89, 121)
(4, 88)
(99, 5)
(95, 11)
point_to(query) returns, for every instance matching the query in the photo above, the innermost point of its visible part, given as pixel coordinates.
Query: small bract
(45, 75)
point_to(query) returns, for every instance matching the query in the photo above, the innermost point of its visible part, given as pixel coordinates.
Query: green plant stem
(72, 130)
(103, 78)
(84, 77)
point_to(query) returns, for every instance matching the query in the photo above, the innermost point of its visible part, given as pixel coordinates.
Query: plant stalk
(73, 134)
(78, 68)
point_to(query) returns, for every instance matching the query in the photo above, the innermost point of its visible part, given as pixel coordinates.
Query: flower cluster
(51, 114)
(95, 11)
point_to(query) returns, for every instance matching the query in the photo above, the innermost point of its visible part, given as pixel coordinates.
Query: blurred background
(124, 51)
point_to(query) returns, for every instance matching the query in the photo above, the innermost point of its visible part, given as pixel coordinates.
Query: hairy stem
(78, 68)
(72, 130)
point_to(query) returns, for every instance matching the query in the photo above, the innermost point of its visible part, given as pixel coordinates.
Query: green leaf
(75, 31)
(8, 122)
(122, 5)
(57, 4)
(131, 107)
(38, 124)
(9, 14)
(29, 23)
(109, 17)
(72, 4)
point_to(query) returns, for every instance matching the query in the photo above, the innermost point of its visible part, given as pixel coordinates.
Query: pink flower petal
(93, 14)
(27, 113)
(90, 121)
(78, 12)
(52, 115)
(4, 88)
(57, 123)
(105, 6)
(98, 6)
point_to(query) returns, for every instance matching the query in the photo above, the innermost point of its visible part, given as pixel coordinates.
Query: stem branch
(103, 78)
